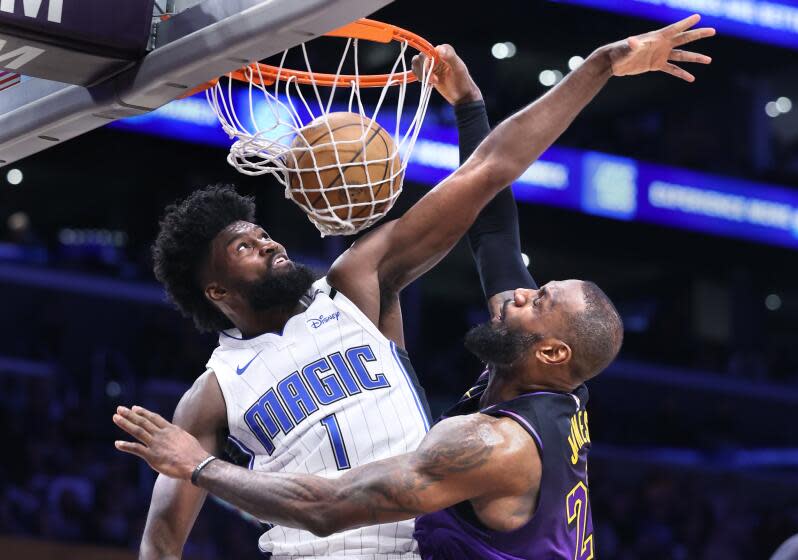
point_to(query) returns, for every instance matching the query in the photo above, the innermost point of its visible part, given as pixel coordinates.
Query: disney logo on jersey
(322, 319)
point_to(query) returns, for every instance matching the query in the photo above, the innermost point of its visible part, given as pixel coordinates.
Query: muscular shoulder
(504, 455)
(521, 456)
(201, 411)
(356, 275)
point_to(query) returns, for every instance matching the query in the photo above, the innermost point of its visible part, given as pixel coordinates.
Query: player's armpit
(355, 274)
(175, 504)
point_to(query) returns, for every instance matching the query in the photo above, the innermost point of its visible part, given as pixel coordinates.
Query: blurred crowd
(666, 514)
(62, 479)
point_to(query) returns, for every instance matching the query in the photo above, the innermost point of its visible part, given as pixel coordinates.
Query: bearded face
(279, 289)
(496, 345)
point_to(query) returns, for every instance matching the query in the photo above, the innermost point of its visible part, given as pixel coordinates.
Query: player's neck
(256, 323)
(503, 385)
(507, 384)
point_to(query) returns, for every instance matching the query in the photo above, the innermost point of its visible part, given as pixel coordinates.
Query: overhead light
(575, 62)
(773, 302)
(511, 49)
(15, 177)
(499, 51)
(18, 222)
(525, 258)
(548, 78)
(503, 50)
(784, 104)
(779, 107)
(113, 389)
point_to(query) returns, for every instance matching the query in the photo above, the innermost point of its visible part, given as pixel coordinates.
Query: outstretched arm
(494, 237)
(392, 256)
(460, 459)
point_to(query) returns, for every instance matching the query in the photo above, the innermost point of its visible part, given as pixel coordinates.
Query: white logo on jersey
(300, 394)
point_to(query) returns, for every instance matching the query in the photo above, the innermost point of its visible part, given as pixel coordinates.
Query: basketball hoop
(269, 130)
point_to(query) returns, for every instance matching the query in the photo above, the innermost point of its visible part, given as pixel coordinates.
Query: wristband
(198, 468)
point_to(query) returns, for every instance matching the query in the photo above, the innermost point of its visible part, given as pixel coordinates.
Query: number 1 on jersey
(336, 441)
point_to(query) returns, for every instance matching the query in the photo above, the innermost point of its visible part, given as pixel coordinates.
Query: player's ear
(553, 352)
(215, 292)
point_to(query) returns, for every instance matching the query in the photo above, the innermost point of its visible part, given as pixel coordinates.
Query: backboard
(191, 42)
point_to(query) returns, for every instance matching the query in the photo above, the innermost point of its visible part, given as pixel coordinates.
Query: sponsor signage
(593, 183)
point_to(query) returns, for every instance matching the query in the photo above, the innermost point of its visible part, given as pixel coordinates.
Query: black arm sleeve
(494, 238)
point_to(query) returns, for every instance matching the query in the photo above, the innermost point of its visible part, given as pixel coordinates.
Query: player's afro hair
(183, 245)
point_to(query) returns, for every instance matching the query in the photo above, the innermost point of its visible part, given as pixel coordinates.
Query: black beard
(498, 346)
(279, 289)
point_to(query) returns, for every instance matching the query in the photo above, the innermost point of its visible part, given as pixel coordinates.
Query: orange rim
(366, 29)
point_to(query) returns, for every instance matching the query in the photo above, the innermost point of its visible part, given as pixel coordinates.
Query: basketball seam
(329, 132)
(340, 174)
(360, 151)
(332, 138)
(382, 183)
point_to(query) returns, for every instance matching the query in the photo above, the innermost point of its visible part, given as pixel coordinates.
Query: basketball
(345, 166)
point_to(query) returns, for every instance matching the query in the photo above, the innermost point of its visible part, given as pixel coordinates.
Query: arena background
(694, 447)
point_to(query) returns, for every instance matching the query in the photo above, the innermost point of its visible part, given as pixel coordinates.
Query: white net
(321, 141)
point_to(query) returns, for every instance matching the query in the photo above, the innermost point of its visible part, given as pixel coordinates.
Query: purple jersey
(561, 526)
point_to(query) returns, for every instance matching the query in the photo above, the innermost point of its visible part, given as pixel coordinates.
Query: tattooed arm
(461, 458)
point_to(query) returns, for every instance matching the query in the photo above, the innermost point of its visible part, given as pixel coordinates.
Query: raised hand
(657, 50)
(449, 75)
(167, 449)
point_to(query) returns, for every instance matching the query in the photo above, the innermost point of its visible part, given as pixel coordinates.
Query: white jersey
(328, 394)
